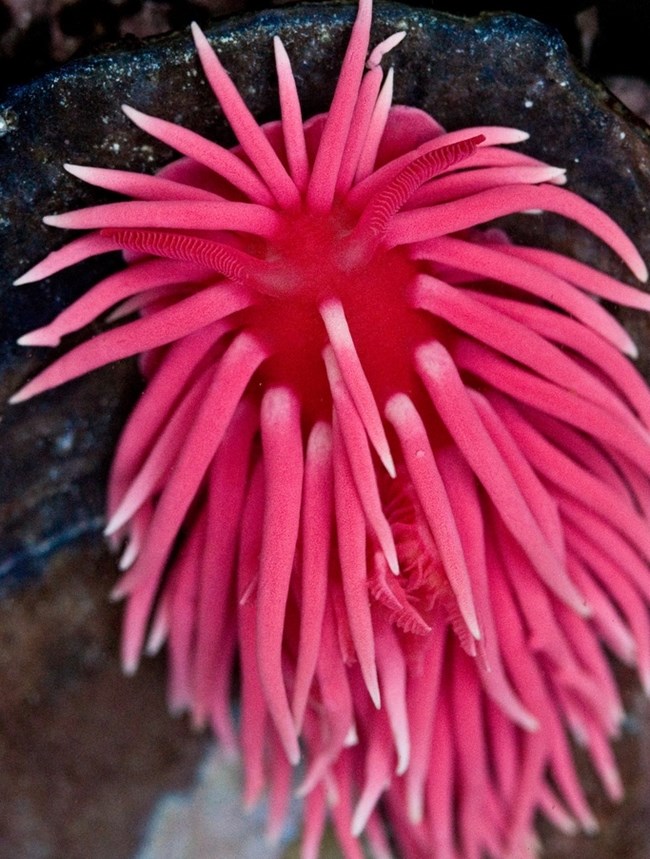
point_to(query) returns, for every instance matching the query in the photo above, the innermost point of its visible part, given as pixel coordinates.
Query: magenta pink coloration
(394, 465)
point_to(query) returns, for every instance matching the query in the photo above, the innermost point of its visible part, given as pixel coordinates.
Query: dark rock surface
(84, 752)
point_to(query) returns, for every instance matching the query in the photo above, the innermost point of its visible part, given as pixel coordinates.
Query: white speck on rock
(64, 442)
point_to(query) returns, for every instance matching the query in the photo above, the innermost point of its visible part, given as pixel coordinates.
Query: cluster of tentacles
(392, 465)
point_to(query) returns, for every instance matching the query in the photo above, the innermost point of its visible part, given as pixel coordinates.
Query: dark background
(611, 36)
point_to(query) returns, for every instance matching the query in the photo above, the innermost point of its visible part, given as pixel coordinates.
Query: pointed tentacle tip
(380, 51)
(351, 738)
(117, 594)
(358, 823)
(403, 759)
(640, 269)
(126, 561)
(136, 116)
(200, 39)
(582, 607)
(177, 708)
(155, 642)
(303, 789)
(555, 173)
(199, 721)
(469, 615)
(289, 739)
(372, 685)
(590, 825)
(613, 784)
(568, 826)
(389, 463)
(38, 337)
(112, 526)
(29, 276)
(392, 560)
(21, 395)
(617, 717)
(525, 719)
(365, 806)
(415, 807)
(53, 220)
(130, 665)
(293, 752)
(273, 834)
(76, 170)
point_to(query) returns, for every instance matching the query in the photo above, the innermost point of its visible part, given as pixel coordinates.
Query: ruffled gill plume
(391, 465)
